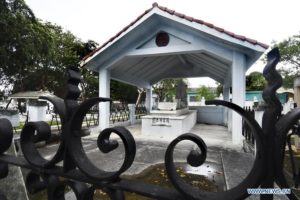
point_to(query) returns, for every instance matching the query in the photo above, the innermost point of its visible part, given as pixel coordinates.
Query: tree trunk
(140, 91)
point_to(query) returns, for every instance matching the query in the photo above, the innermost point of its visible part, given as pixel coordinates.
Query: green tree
(90, 81)
(290, 58)
(255, 81)
(34, 55)
(219, 89)
(165, 89)
(123, 92)
(23, 42)
(205, 92)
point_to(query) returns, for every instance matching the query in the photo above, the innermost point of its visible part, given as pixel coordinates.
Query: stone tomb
(167, 121)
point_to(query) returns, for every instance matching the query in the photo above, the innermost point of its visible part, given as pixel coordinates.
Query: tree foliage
(255, 81)
(123, 92)
(290, 58)
(205, 92)
(219, 89)
(34, 55)
(165, 89)
(23, 41)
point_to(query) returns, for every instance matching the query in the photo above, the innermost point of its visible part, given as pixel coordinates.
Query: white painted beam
(168, 50)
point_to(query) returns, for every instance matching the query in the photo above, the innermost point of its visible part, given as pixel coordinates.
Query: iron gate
(79, 173)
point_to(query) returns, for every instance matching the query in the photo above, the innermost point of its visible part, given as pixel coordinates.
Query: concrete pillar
(238, 94)
(132, 118)
(149, 100)
(226, 92)
(104, 91)
(297, 101)
(297, 90)
(37, 110)
(226, 97)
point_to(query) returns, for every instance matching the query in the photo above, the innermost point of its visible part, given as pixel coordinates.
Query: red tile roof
(191, 19)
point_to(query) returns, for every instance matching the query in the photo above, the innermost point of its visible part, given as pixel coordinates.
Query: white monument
(171, 118)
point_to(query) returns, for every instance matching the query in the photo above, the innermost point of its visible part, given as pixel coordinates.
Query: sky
(262, 20)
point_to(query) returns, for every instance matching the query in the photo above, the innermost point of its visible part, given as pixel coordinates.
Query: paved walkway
(151, 150)
(233, 163)
(226, 164)
(213, 135)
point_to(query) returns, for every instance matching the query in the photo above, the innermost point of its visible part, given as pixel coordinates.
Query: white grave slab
(168, 125)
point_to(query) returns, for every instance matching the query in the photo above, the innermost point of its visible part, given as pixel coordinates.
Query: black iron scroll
(83, 177)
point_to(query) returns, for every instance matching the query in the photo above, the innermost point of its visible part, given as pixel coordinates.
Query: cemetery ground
(225, 167)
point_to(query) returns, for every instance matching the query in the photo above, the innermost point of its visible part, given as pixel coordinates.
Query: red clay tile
(179, 14)
(111, 39)
(219, 29)
(240, 37)
(132, 23)
(119, 33)
(199, 21)
(229, 33)
(209, 25)
(154, 4)
(170, 11)
(162, 8)
(191, 19)
(251, 41)
(139, 17)
(263, 45)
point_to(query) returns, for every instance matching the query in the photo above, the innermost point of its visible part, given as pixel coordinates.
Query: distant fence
(246, 130)
(70, 168)
(119, 113)
(140, 110)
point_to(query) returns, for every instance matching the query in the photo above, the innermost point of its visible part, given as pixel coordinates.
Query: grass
(51, 123)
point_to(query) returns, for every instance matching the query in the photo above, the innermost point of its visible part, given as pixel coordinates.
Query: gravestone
(166, 106)
(181, 95)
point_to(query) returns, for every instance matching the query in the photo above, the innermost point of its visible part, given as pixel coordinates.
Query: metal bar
(138, 187)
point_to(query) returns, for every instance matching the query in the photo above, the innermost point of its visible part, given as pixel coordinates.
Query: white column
(104, 91)
(132, 118)
(226, 92)
(148, 102)
(238, 94)
(226, 97)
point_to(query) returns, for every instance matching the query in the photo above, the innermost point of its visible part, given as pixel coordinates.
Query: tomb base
(168, 125)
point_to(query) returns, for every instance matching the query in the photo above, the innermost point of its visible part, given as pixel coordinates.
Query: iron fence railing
(119, 113)
(71, 167)
(246, 129)
(140, 110)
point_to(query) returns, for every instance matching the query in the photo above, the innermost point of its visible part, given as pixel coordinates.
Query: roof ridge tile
(183, 16)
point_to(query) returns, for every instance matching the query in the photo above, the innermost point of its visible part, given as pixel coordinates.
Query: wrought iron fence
(140, 110)
(79, 173)
(119, 113)
(246, 129)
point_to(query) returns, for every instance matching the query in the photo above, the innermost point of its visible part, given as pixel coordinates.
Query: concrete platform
(168, 125)
(213, 135)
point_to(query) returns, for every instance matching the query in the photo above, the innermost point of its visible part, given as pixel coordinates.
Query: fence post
(131, 108)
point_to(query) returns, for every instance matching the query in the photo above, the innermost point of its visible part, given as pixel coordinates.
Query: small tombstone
(181, 95)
